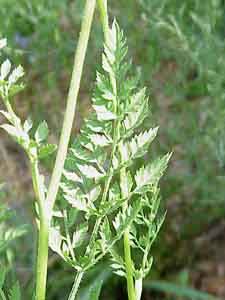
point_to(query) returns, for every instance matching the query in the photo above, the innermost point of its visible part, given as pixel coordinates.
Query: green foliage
(108, 144)
(15, 293)
(94, 187)
(35, 147)
(2, 278)
(8, 234)
(186, 40)
(95, 280)
(28, 23)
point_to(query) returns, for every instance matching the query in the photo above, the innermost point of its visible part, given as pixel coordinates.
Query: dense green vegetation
(178, 48)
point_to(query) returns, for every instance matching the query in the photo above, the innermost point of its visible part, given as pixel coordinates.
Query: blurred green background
(178, 48)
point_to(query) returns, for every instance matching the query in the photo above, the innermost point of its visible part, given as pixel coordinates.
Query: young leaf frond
(108, 144)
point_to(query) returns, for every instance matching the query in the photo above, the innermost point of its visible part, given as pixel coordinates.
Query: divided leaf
(98, 180)
(55, 240)
(90, 171)
(16, 74)
(148, 176)
(79, 235)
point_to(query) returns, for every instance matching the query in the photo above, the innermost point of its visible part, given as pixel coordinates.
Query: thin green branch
(126, 241)
(104, 197)
(112, 242)
(42, 259)
(44, 220)
(43, 233)
(38, 185)
(102, 5)
(129, 266)
(71, 101)
(36, 178)
(76, 285)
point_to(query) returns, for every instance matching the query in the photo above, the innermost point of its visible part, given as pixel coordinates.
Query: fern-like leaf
(98, 180)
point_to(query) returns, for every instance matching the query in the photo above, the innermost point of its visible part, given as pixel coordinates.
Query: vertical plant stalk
(126, 241)
(46, 205)
(102, 4)
(71, 101)
(129, 266)
(42, 259)
(43, 234)
(76, 285)
(42, 252)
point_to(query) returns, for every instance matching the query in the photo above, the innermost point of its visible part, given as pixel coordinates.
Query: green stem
(43, 234)
(104, 197)
(42, 252)
(46, 205)
(42, 260)
(129, 266)
(71, 101)
(102, 5)
(37, 185)
(126, 241)
(76, 285)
